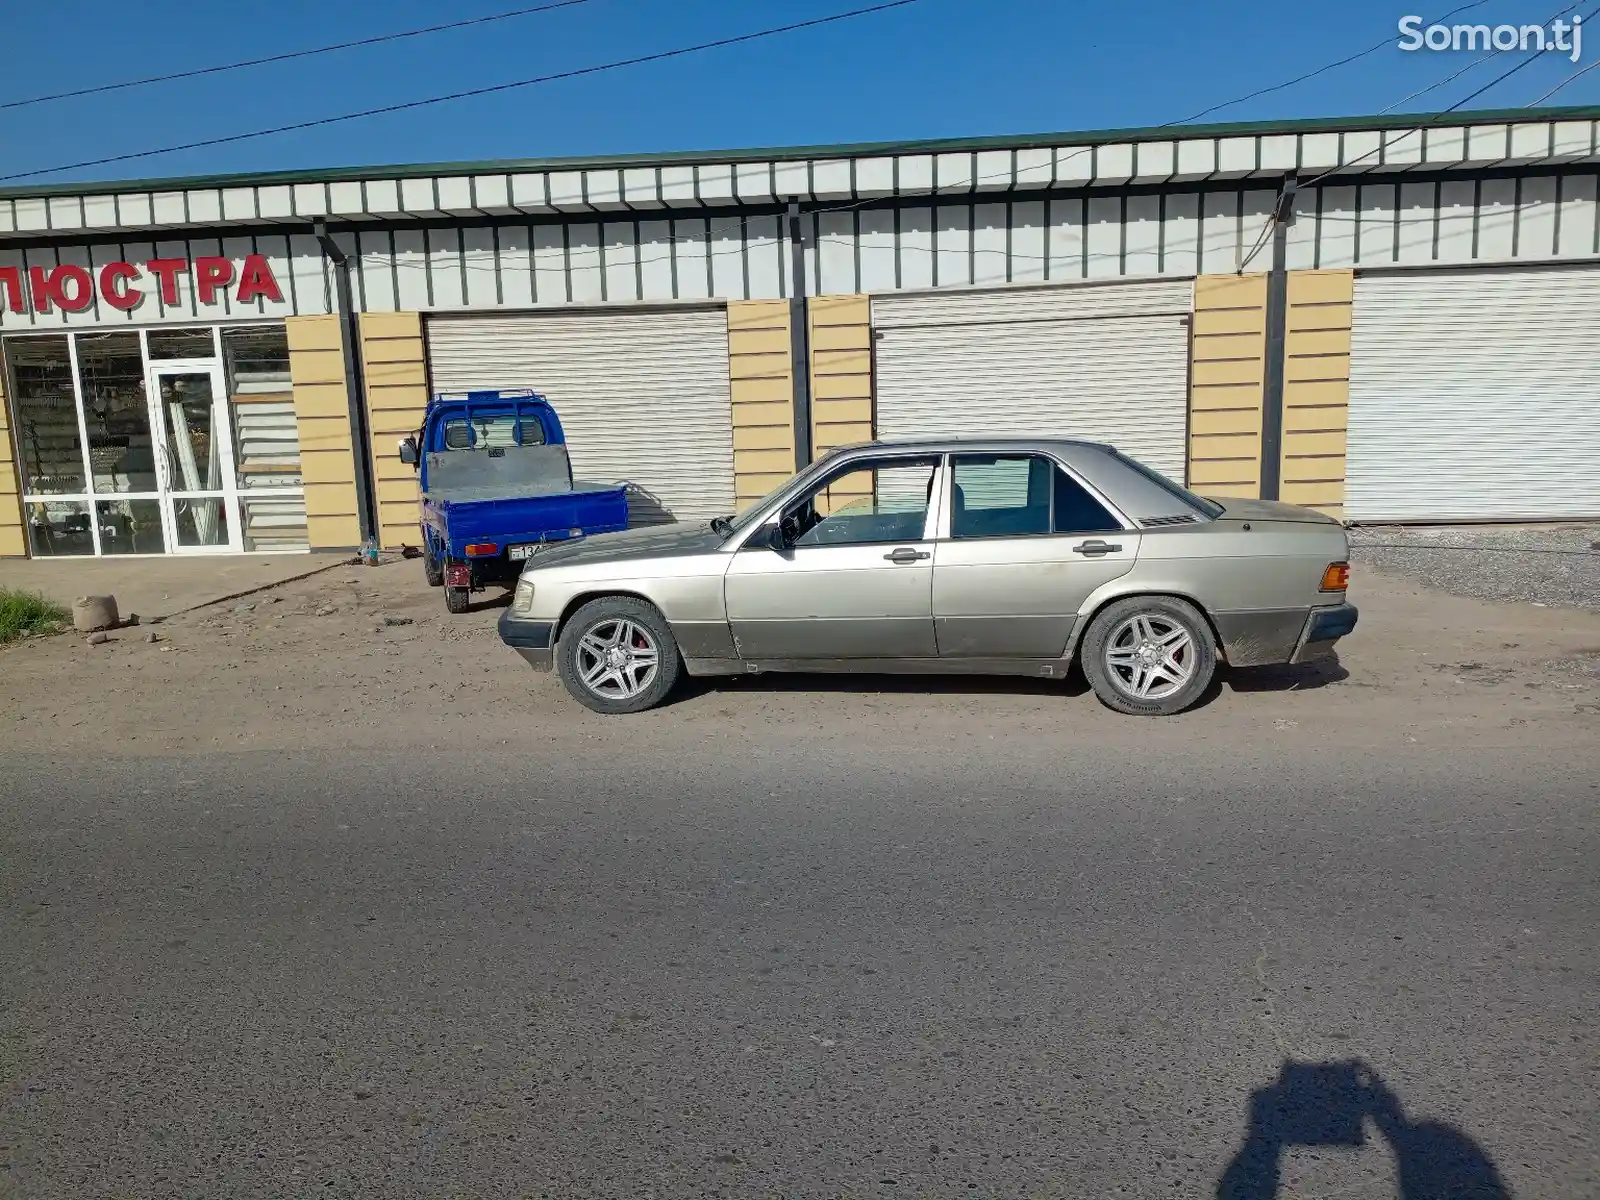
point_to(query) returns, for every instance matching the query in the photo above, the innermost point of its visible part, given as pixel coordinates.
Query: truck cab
(496, 487)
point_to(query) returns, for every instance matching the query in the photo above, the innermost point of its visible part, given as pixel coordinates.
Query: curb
(265, 587)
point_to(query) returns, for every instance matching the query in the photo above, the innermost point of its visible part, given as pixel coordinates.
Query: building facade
(1389, 319)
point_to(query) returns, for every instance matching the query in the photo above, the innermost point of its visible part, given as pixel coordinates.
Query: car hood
(1235, 508)
(656, 541)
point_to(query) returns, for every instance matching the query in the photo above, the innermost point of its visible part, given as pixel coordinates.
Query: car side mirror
(773, 536)
(408, 452)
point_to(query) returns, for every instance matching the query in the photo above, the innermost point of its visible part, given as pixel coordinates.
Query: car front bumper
(1323, 628)
(534, 640)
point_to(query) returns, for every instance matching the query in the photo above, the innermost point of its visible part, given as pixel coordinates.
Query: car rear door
(1024, 544)
(856, 582)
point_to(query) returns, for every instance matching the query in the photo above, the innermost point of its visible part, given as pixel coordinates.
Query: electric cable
(1558, 87)
(491, 89)
(1439, 116)
(285, 57)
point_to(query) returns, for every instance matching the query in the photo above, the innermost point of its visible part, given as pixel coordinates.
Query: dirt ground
(367, 656)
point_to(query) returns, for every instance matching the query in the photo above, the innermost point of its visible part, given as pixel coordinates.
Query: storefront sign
(72, 288)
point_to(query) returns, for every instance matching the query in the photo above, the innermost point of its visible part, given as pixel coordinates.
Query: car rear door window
(1076, 511)
(1020, 495)
(999, 495)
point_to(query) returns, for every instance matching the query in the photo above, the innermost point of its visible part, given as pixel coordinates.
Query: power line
(1278, 87)
(971, 183)
(1439, 116)
(658, 56)
(292, 54)
(1558, 87)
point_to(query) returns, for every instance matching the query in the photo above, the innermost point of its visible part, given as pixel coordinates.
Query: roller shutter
(1475, 395)
(642, 395)
(1103, 362)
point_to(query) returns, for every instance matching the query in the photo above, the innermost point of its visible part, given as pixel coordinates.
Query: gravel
(1553, 565)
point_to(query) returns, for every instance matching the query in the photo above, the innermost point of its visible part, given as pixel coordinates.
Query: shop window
(58, 527)
(49, 444)
(182, 343)
(266, 439)
(130, 527)
(116, 412)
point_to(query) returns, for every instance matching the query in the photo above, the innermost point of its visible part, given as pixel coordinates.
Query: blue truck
(496, 487)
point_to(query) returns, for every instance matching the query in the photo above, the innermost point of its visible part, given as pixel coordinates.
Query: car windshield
(748, 515)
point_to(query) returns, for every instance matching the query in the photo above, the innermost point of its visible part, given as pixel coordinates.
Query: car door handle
(906, 555)
(1094, 548)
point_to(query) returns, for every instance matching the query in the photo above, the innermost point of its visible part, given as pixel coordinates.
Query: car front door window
(868, 503)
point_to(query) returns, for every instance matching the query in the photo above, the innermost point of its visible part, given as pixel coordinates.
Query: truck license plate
(518, 553)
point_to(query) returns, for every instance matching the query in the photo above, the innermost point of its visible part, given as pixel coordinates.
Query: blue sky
(939, 68)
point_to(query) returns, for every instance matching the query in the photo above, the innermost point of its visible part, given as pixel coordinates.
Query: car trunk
(1235, 508)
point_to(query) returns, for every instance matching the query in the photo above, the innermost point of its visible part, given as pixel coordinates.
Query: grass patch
(24, 613)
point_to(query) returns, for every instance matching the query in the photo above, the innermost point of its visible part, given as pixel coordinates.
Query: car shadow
(1071, 685)
(1333, 1104)
(1285, 677)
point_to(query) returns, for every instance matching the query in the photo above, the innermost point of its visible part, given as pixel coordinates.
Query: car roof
(958, 444)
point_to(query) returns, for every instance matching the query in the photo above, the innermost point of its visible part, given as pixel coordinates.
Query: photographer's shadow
(1329, 1104)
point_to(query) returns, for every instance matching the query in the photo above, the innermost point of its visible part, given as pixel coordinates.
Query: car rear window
(1199, 503)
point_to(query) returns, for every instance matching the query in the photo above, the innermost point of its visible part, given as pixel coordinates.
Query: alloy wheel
(1150, 656)
(617, 658)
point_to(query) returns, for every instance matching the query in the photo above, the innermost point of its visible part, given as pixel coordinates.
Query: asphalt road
(651, 967)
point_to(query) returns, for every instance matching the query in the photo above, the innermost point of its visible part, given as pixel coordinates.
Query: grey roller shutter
(1102, 362)
(642, 395)
(1475, 395)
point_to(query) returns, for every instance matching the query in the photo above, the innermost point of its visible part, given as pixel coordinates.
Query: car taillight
(1336, 578)
(482, 550)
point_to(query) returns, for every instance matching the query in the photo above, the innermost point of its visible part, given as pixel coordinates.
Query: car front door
(1027, 543)
(853, 576)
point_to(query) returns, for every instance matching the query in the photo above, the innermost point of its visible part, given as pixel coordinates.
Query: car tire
(1149, 656)
(457, 600)
(432, 566)
(614, 684)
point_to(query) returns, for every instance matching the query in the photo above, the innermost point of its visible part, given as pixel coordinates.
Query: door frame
(829, 558)
(221, 432)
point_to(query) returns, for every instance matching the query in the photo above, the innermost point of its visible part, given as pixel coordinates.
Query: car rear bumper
(1324, 627)
(534, 640)
(1266, 637)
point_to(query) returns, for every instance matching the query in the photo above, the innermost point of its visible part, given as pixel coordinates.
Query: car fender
(1147, 578)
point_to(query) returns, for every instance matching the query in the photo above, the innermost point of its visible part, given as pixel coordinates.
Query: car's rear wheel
(457, 599)
(617, 655)
(1149, 656)
(432, 566)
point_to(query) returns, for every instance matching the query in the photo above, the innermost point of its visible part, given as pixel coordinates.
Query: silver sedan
(1004, 556)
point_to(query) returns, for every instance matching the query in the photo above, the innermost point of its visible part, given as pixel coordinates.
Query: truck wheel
(1149, 656)
(432, 568)
(617, 655)
(457, 600)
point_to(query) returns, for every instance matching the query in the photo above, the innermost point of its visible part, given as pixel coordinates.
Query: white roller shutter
(1475, 395)
(642, 395)
(1102, 362)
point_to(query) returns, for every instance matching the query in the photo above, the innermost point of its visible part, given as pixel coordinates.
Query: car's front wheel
(617, 655)
(1150, 656)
